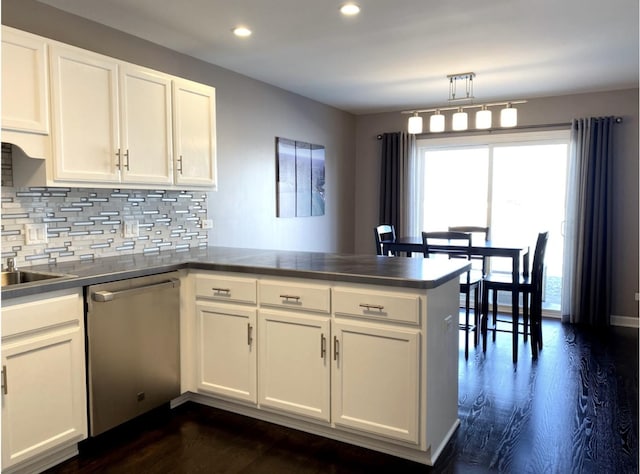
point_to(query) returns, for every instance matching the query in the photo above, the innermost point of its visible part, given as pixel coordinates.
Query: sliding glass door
(515, 184)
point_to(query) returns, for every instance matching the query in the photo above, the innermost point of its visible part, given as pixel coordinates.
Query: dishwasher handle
(105, 296)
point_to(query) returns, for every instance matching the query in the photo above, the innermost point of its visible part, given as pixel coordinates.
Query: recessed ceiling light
(350, 9)
(242, 31)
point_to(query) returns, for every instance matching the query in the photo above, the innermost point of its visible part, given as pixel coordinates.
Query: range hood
(31, 154)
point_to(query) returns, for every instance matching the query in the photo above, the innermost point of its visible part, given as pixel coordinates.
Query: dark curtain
(588, 253)
(394, 163)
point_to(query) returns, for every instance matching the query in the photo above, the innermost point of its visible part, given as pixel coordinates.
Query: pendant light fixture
(415, 124)
(460, 118)
(436, 122)
(483, 118)
(509, 116)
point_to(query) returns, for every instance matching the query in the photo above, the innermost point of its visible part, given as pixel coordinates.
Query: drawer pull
(226, 291)
(323, 346)
(366, 306)
(5, 389)
(290, 297)
(180, 164)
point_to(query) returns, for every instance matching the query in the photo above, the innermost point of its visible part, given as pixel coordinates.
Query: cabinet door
(194, 108)
(25, 95)
(85, 110)
(43, 401)
(376, 380)
(294, 367)
(226, 350)
(147, 145)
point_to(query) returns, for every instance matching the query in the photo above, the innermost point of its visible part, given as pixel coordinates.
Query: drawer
(307, 297)
(226, 288)
(25, 314)
(376, 305)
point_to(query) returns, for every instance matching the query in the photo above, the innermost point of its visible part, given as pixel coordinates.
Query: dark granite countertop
(368, 269)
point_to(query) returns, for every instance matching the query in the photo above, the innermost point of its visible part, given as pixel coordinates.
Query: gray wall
(250, 114)
(535, 112)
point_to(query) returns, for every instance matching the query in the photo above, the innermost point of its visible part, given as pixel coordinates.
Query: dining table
(480, 248)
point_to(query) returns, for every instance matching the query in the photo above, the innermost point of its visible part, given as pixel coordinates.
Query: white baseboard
(624, 321)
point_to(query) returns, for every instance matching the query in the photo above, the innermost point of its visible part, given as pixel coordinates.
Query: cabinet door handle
(126, 155)
(290, 297)
(336, 350)
(379, 307)
(249, 338)
(119, 163)
(180, 164)
(5, 389)
(323, 346)
(226, 291)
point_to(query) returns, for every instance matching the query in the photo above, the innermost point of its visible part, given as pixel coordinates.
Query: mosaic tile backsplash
(88, 223)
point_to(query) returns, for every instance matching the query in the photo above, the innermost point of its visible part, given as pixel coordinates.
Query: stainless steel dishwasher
(133, 346)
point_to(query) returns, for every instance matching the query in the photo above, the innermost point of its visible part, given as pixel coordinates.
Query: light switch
(130, 229)
(35, 234)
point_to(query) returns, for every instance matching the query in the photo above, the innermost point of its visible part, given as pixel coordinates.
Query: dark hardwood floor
(574, 410)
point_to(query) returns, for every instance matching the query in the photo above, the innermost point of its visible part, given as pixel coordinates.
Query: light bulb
(483, 118)
(242, 31)
(459, 120)
(415, 124)
(350, 9)
(509, 116)
(436, 122)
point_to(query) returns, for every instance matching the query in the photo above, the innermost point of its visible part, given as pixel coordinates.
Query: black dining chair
(384, 233)
(470, 281)
(484, 232)
(530, 287)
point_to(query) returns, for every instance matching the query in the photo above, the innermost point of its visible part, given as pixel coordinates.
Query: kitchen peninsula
(358, 348)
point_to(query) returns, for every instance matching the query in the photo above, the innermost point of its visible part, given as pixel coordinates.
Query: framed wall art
(300, 178)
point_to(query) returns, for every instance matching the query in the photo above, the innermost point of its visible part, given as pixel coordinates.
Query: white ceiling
(396, 54)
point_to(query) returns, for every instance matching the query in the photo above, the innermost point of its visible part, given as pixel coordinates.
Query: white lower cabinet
(370, 365)
(226, 353)
(293, 363)
(43, 380)
(376, 379)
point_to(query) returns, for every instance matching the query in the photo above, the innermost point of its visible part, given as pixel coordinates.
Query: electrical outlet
(207, 224)
(35, 234)
(130, 229)
(446, 324)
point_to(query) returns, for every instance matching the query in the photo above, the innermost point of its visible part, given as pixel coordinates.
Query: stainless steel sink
(18, 277)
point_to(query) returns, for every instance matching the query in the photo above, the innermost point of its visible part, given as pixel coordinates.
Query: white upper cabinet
(101, 122)
(194, 107)
(146, 152)
(85, 116)
(25, 94)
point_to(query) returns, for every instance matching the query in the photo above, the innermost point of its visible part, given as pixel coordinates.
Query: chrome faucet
(11, 265)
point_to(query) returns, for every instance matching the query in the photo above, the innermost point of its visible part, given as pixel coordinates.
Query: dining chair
(470, 281)
(530, 287)
(384, 233)
(485, 232)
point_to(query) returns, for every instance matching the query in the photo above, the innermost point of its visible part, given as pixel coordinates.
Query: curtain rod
(502, 130)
